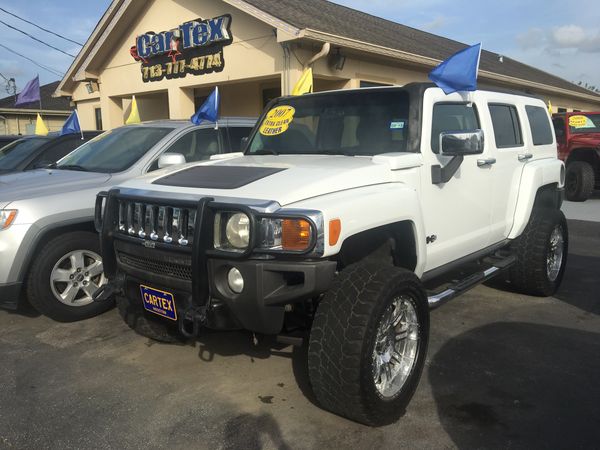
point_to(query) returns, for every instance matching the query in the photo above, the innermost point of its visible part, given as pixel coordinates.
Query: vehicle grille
(155, 266)
(157, 223)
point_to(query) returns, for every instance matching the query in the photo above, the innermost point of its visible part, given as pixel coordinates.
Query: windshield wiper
(265, 151)
(335, 152)
(71, 167)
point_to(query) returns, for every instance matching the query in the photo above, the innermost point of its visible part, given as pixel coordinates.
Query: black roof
(48, 102)
(328, 17)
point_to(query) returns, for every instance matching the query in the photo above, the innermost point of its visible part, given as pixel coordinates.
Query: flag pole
(80, 129)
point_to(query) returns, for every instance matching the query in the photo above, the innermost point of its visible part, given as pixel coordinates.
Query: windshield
(584, 123)
(366, 122)
(115, 150)
(16, 152)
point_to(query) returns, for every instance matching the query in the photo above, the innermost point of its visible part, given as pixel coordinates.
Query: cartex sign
(195, 47)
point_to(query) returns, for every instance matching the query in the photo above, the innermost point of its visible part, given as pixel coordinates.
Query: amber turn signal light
(295, 234)
(335, 229)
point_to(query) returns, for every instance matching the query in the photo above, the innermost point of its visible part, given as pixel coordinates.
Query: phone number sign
(195, 47)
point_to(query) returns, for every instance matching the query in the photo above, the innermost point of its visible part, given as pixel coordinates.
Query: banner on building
(195, 47)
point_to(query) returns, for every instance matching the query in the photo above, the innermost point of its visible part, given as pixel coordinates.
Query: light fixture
(338, 60)
(91, 87)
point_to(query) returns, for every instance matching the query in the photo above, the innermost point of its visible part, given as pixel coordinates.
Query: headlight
(232, 231)
(285, 234)
(7, 217)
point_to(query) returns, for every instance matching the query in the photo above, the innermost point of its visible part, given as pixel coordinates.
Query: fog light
(235, 280)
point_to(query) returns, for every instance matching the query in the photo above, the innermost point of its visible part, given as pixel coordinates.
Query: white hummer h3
(349, 215)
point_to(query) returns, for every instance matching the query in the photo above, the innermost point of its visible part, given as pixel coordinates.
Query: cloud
(435, 24)
(567, 37)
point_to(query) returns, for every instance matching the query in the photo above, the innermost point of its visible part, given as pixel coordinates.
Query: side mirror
(461, 143)
(244, 143)
(170, 159)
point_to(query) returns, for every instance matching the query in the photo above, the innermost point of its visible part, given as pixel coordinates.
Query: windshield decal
(277, 121)
(580, 121)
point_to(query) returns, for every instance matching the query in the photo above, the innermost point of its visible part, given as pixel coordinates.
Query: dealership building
(171, 54)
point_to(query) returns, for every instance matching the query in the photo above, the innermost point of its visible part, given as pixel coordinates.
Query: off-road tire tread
(37, 287)
(339, 341)
(528, 274)
(585, 172)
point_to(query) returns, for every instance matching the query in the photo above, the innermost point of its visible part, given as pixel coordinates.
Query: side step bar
(461, 286)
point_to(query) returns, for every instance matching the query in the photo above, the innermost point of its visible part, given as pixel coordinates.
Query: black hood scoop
(217, 177)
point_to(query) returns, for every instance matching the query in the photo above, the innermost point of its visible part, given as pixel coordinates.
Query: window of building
(539, 124)
(448, 117)
(270, 94)
(507, 130)
(98, 116)
(562, 110)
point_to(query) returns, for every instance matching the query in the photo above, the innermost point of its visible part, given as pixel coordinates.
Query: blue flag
(459, 72)
(71, 125)
(30, 93)
(209, 109)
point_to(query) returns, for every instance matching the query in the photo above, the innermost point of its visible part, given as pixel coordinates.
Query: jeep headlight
(7, 217)
(232, 231)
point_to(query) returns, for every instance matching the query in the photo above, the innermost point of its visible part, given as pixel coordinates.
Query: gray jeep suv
(49, 251)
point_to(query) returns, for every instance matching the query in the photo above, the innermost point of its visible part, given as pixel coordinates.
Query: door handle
(525, 157)
(486, 162)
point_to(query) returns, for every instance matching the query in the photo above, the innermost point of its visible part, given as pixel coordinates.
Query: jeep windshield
(353, 123)
(16, 152)
(584, 123)
(113, 151)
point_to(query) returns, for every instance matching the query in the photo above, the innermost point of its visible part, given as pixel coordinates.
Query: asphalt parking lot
(503, 371)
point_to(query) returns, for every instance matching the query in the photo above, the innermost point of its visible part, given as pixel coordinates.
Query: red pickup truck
(578, 138)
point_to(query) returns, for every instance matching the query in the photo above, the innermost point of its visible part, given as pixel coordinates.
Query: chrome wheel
(76, 277)
(396, 347)
(554, 259)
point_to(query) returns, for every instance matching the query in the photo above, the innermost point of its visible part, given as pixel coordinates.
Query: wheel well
(548, 197)
(394, 244)
(583, 154)
(48, 235)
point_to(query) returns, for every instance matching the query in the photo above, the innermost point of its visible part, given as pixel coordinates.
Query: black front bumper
(197, 276)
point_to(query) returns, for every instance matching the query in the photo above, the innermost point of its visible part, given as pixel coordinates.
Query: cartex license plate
(159, 302)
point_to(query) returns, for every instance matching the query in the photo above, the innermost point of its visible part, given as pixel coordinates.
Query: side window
(559, 126)
(55, 152)
(235, 138)
(196, 145)
(452, 117)
(539, 125)
(507, 130)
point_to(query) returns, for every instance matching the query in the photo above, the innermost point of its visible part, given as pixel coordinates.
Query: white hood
(303, 177)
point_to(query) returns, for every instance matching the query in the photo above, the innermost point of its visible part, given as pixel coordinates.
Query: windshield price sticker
(277, 121)
(578, 121)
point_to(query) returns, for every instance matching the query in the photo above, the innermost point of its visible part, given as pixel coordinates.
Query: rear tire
(580, 181)
(54, 273)
(541, 253)
(139, 321)
(374, 321)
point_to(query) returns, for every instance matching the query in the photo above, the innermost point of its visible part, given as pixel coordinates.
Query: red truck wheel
(580, 181)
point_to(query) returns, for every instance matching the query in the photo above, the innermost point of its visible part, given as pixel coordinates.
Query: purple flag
(30, 93)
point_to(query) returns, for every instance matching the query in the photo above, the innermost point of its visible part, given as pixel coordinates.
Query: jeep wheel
(579, 183)
(64, 275)
(140, 321)
(368, 343)
(541, 253)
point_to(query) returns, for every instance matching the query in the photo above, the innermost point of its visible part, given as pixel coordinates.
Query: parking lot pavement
(503, 370)
(588, 210)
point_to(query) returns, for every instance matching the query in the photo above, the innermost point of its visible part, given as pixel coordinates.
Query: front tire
(580, 181)
(541, 253)
(64, 275)
(368, 343)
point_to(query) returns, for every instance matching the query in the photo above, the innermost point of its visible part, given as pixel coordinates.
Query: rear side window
(448, 117)
(539, 125)
(507, 131)
(235, 137)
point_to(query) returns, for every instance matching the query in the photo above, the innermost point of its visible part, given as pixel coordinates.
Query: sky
(555, 35)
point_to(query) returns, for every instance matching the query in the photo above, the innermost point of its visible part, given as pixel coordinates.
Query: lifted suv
(578, 138)
(349, 216)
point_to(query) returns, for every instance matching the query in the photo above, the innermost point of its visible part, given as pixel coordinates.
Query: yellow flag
(304, 84)
(40, 127)
(134, 115)
(550, 107)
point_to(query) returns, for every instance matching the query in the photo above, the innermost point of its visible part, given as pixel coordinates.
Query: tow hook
(109, 290)
(191, 321)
